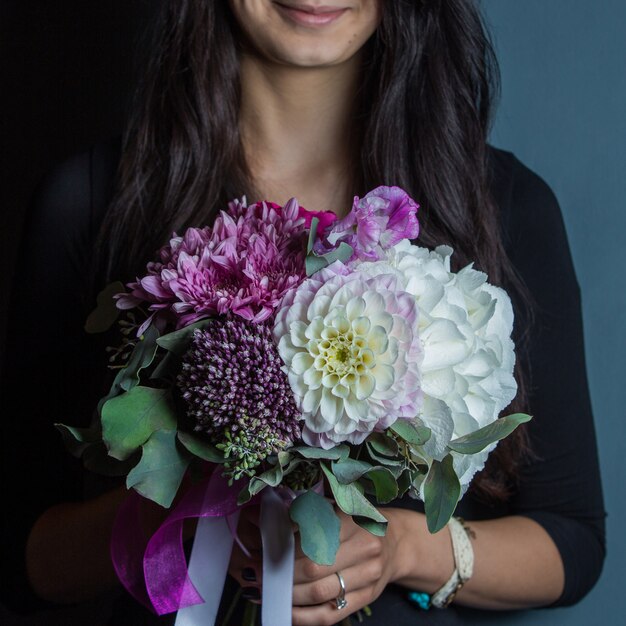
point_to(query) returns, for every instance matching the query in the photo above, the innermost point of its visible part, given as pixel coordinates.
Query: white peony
(465, 327)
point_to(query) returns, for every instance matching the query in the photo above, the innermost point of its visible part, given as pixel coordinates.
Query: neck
(297, 130)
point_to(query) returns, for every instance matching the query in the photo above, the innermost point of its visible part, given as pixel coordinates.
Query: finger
(328, 589)
(328, 614)
(245, 570)
(357, 549)
(347, 530)
(249, 535)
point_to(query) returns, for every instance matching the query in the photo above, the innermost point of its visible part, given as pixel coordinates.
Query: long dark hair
(425, 108)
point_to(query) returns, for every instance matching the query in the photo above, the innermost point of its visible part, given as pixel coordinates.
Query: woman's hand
(248, 570)
(366, 562)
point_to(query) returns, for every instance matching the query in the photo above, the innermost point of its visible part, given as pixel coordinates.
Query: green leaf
(178, 341)
(105, 313)
(441, 494)
(411, 432)
(404, 482)
(129, 420)
(383, 444)
(385, 485)
(350, 500)
(312, 234)
(481, 438)
(77, 440)
(167, 368)
(141, 357)
(334, 454)
(350, 470)
(159, 473)
(244, 495)
(200, 448)
(319, 527)
(315, 262)
(96, 459)
(271, 477)
(376, 528)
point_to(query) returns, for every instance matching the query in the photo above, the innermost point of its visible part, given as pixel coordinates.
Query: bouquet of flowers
(281, 356)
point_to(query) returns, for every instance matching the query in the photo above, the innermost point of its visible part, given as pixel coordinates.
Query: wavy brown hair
(425, 108)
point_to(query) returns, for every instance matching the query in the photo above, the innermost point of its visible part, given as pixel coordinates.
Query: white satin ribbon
(210, 556)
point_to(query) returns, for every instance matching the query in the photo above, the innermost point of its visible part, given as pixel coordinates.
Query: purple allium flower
(244, 264)
(378, 221)
(232, 381)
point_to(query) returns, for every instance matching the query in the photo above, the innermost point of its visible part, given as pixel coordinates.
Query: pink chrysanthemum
(244, 264)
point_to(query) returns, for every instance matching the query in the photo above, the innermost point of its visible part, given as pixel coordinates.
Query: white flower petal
(301, 362)
(331, 407)
(384, 375)
(365, 386)
(355, 308)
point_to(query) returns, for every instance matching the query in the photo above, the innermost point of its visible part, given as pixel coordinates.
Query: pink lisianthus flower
(244, 264)
(378, 221)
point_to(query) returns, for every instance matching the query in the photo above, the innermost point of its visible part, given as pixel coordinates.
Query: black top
(55, 373)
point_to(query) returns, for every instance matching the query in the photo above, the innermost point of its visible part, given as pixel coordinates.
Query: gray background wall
(563, 112)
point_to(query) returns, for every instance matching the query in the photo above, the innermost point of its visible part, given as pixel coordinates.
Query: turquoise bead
(420, 599)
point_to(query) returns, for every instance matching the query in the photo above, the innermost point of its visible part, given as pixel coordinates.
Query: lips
(310, 15)
(309, 8)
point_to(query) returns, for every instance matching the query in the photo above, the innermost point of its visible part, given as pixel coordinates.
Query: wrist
(422, 560)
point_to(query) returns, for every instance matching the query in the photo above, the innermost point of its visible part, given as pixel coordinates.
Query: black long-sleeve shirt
(55, 372)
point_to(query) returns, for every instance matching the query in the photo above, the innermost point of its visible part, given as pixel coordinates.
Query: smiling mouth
(308, 15)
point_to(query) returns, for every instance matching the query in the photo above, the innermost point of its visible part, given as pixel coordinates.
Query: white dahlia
(352, 354)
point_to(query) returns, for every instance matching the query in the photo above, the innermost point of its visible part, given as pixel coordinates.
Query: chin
(307, 33)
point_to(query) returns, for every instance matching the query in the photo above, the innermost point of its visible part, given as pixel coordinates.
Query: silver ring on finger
(340, 600)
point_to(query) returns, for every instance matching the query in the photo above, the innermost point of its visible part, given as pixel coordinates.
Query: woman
(277, 99)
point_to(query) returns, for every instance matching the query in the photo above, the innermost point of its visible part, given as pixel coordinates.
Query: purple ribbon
(155, 572)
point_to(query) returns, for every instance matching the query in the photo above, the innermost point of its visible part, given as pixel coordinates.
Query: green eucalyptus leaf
(160, 471)
(244, 495)
(142, 356)
(442, 490)
(350, 470)
(350, 499)
(414, 433)
(404, 482)
(167, 368)
(271, 477)
(334, 454)
(385, 484)
(319, 527)
(315, 262)
(481, 438)
(96, 459)
(105, 313)
(178, 341)
(77, 440)
(201, 449)
(383, 444)
(129, 420)
(376, 528)
(312, 234)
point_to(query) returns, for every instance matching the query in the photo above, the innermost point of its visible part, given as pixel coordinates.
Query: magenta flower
(244, 264)
(378, 221)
